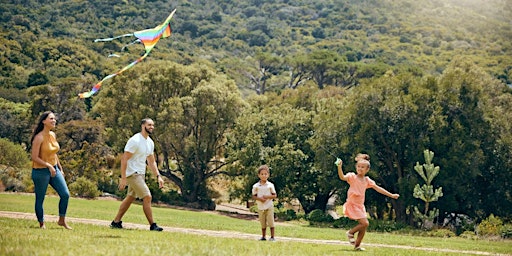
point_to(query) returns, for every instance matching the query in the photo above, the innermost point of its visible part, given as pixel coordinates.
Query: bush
(83, 187)
(15, 179)
(506, 231)
(344, 222)
(469, 235)
(318, 215)
(384, 225)
(441, 233)
(286, 214)
(490, 227)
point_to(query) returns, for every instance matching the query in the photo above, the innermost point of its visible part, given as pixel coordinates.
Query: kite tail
(134, 42)
(97, 86)
(111, 38)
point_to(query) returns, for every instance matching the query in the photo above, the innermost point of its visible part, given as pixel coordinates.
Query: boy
(264, 192)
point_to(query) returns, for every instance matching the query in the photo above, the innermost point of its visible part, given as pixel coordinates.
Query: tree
(426, 193)
(15, 121)
(192, 108)
(319, 64)
(12, 155)
(266, 66)
(278, 130)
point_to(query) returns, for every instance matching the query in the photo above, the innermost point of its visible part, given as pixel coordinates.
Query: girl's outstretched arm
(385, 192)
(340, 171)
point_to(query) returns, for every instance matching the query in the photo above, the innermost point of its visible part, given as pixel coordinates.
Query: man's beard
(148, 131)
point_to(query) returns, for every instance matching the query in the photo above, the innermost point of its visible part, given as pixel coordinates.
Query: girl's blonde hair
(362, 156)
(365, 161)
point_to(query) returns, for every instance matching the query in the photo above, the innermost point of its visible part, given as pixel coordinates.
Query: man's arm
(154, 168)
(124, 163)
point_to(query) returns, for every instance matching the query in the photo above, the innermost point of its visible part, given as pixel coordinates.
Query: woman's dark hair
(40, 125)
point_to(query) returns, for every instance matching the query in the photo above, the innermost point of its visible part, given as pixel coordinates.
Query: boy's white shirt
(261, 190)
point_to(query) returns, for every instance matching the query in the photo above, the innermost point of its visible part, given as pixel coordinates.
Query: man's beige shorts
(266, 217)
(137, 186)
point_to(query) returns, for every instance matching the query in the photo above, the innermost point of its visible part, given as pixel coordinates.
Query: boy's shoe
(155, 227)
(116, 224)
(263, 239)
(272, 239)
(359, 249)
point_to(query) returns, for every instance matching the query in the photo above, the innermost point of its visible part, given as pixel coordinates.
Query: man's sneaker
(263, 239)
(272, 239)
(116, 224)
(155, 227)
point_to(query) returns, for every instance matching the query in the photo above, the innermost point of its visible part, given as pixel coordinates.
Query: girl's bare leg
(361, 228)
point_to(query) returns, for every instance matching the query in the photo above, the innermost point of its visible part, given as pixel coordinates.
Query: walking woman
(46, 168)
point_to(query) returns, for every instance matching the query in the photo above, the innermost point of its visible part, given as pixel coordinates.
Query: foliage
(385, 225)
(344, 222)
(13, 163)
(192, 108)
(441, 233)
(491, 226)
(15, 121)
(55, 41)
(276, 131)
(426, 193)
(318, 216)
(158, 195)
(506, 231)
(436, 79)
(469, 235)
(13, 155)
(286, 215)
(83, 187)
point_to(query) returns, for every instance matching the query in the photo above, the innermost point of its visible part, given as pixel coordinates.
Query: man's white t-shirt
(266, 189)
(141, 148)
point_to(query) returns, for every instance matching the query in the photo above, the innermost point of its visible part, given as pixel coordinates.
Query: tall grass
(23, 237)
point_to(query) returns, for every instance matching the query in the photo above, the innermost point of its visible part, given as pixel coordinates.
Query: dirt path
(231, 234)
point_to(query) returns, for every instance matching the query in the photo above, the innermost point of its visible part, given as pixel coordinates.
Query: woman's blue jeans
(41, 178)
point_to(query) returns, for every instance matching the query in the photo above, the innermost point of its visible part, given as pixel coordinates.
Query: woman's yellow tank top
(48, 151)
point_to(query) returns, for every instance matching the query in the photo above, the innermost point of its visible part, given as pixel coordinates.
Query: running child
(354, 206)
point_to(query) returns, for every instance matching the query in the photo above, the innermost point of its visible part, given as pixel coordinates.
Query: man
(137, 151)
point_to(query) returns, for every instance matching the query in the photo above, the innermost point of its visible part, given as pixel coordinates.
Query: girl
(354, 206)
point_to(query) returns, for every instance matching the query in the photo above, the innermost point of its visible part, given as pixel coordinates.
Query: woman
(46, 168)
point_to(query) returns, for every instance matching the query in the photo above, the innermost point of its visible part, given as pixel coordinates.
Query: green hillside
(46, 40)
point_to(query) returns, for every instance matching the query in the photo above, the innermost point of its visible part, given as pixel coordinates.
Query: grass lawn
(23, 237)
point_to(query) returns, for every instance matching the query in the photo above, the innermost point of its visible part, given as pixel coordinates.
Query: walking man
(138, 150)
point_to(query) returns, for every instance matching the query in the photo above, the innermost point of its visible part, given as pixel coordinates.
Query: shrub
(384, 225)
(286, 214)
(490, 227)
(469, 235)
(441, 233)
(254, 208)
(318, 215)
(344, 222)
(506, 231)
(83, 187)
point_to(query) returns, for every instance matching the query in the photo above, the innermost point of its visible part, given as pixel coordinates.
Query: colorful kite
(149, 37)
